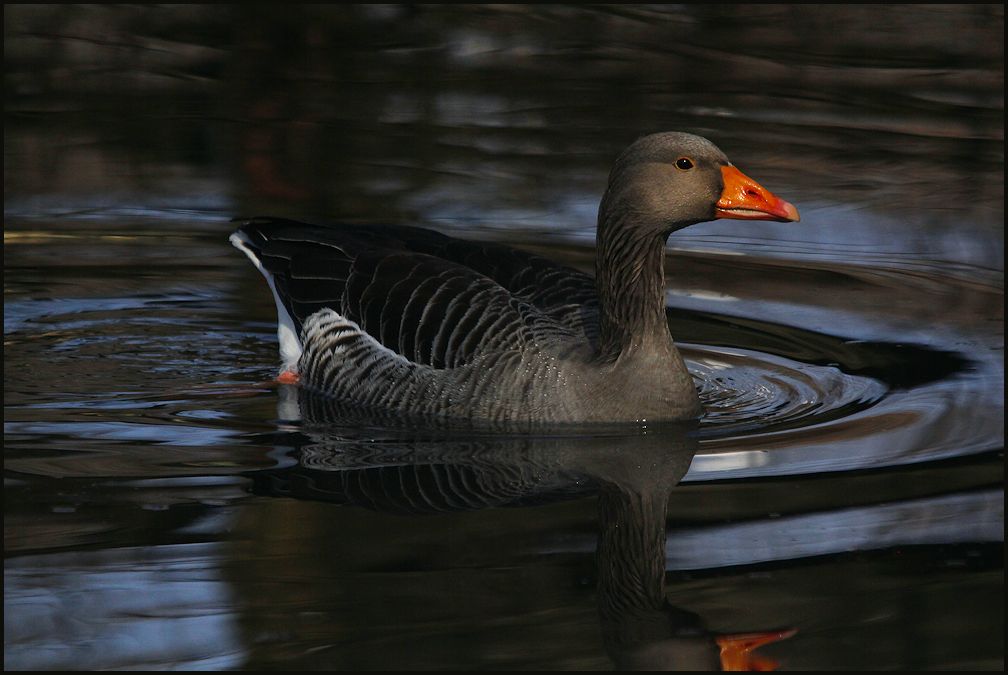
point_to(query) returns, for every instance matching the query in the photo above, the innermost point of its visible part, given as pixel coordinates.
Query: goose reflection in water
(632, 471)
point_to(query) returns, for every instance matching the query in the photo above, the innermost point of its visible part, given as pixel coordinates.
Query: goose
(416, 323)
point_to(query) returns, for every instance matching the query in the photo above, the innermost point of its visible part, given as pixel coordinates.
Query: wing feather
(436, 300)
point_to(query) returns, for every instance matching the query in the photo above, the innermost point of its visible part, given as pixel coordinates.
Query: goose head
(667, 181)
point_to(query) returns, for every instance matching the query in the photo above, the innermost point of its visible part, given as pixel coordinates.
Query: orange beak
(745, 199)
(737, 650)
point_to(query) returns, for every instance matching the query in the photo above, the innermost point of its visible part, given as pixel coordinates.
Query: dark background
(474, 112)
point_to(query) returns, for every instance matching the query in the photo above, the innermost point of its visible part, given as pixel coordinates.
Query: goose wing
(564, 293)
(533, 278)
(432, 309)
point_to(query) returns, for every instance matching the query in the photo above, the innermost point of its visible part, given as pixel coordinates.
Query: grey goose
(409, 321)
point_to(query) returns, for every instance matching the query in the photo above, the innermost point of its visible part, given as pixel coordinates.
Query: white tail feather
(290, 344)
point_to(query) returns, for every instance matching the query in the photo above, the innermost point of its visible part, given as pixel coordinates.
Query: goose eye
(684, 163)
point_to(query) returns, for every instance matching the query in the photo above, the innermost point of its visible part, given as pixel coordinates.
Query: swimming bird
(414, 322)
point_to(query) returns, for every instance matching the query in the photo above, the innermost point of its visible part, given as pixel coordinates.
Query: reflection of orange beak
(745, 199)
(737, 650)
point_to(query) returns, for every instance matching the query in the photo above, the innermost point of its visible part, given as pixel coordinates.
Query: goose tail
(291, 347)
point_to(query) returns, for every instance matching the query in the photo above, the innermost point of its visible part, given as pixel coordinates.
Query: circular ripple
(742, 390)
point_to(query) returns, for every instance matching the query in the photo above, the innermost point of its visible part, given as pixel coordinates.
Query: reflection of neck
(631, 564)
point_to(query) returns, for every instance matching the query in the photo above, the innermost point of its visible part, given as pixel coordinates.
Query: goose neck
(630, 280)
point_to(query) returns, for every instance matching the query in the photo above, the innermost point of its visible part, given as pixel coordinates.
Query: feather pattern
(389, 327)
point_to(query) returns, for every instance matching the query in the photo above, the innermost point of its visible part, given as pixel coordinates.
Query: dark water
(166, 506)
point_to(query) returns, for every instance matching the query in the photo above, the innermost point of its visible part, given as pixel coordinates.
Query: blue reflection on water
(146, 607)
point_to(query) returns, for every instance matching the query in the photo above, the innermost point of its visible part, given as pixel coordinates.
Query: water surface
(168, 506)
